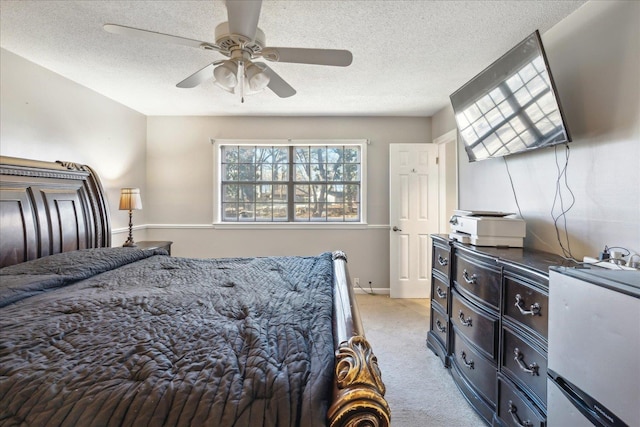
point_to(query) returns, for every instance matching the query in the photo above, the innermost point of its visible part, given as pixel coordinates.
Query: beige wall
(47, 117)
(594, 55)
(44, 116)
(180, 187)
(443, 121)
(594, 59)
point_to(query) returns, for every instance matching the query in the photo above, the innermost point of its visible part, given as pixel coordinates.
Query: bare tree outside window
(294, 183)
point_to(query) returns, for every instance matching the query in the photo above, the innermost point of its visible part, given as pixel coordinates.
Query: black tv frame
(486, 81)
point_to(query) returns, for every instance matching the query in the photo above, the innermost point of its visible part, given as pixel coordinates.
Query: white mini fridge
(594, 347)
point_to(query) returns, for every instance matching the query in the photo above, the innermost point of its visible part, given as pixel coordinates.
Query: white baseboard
(376, 291)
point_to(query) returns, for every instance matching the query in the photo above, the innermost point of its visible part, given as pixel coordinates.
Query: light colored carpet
(420, 391)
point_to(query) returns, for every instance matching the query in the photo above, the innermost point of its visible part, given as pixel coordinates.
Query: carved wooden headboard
(48, 208)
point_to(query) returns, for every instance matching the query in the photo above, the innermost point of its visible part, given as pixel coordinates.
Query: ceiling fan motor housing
(228, 42)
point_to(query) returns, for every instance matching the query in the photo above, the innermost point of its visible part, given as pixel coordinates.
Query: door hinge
(437, 160)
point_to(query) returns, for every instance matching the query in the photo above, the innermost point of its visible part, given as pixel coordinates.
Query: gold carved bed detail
(360, 397)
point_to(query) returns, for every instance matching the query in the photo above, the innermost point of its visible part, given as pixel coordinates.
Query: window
(290, 181)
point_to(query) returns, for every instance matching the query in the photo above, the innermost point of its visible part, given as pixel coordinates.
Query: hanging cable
(513, 188)
(562, 172)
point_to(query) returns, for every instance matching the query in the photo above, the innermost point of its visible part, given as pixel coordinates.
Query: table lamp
(130, 200)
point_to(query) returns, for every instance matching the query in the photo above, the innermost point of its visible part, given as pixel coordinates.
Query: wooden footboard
(358, 395)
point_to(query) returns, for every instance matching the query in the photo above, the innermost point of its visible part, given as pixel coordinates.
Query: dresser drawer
(479, 279)
(526, 363)
(439, 325)
(438, 336)
(440, 293)
(526, 305)
(477, 369)
(476, 324)
(441, 260)
(514, 409)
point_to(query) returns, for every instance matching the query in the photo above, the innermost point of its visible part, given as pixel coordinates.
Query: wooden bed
(49, 208)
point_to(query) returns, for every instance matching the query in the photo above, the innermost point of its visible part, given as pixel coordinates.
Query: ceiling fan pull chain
(241, 80)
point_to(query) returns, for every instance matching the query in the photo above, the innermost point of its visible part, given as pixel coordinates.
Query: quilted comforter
(127, 337)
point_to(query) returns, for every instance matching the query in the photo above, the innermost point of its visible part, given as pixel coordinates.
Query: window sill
(291, 225)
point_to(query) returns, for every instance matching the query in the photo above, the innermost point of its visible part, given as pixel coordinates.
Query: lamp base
(130, 243)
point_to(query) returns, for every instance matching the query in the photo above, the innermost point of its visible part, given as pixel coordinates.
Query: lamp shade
(225, 74)
(130, 199)
(257, 80)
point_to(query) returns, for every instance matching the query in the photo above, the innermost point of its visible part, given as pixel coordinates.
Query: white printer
(487, 228)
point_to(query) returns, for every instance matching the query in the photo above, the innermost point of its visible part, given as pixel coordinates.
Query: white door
(413, 215)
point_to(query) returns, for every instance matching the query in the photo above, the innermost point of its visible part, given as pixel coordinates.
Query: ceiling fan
(242, 42)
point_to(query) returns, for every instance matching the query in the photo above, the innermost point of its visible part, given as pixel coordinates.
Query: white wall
(594, 56)
(180, 187)
(44, 116)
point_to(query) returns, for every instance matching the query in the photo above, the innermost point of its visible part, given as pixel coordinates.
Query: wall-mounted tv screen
(512, 106)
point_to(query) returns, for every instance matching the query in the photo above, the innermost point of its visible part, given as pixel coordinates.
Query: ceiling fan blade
(276, 83)
(336, 57)
(199, 77)
(243, 17)
(156, 37)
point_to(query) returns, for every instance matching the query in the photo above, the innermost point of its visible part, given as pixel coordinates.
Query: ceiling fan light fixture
(240, 40)
(256, 78)
(225, 74)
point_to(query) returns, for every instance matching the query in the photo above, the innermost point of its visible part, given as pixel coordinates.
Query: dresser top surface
(531, 259)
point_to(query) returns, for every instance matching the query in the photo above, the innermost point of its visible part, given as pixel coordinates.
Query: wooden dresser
(488, 325)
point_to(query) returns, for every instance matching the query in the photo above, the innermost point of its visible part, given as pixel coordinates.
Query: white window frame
(217, 180)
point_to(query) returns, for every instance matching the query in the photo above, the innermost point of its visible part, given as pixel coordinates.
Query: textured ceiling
(408, 55)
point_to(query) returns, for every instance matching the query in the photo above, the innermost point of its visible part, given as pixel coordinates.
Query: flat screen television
(511, 106)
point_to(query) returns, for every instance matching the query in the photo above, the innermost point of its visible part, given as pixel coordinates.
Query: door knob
(396, 228)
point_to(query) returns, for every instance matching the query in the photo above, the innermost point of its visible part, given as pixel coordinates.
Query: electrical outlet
(356, 281)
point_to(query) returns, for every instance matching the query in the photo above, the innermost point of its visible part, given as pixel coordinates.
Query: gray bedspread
(127, 337)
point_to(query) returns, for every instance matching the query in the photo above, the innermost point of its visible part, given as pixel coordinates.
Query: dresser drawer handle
(441, 328)
(441, 295)
(513, 410)
(532, 368)
(472, 279)
(442, 261)
(535, 308)
(466, 322)
(468, 364)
